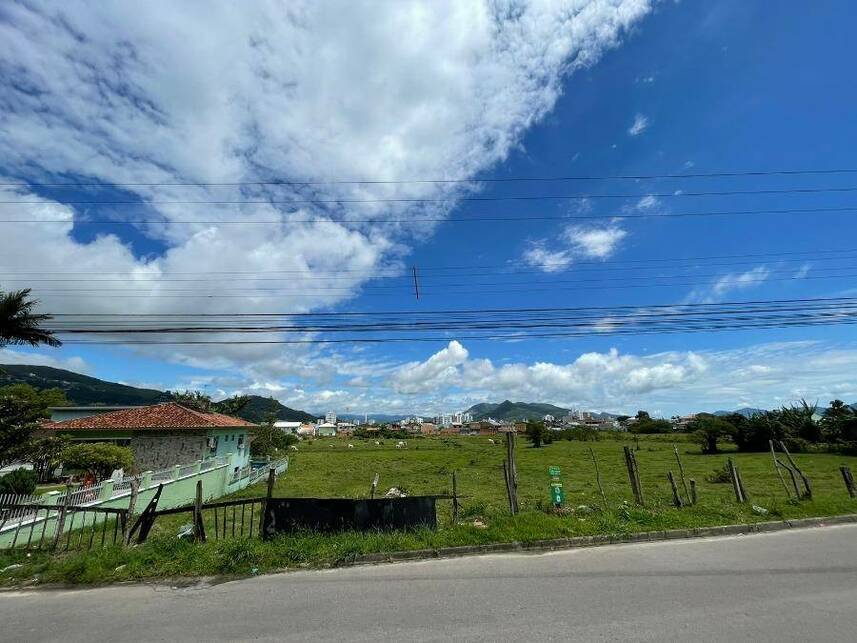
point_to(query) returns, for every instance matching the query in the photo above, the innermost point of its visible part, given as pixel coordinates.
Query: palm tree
(18, 323)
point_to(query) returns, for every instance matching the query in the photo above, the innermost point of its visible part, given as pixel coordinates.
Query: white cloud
(727, 284)
(71, 363)
(439, 369)
(640, 124)
(595, 242)
(803, 271)
(578, 241)
(647, 203)
(172, 94)
(537, 256)
(763, 375)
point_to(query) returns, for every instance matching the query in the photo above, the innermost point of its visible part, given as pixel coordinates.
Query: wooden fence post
(777, 465)
(692, 491)
(681, 472)
(272, 476)
(733, 476)
(633, 475)
(511, 473)
(374, 485)
(598, 477)
(676, 497)
(198, 526)
(147, 518)
(455, 505)
(849, 480)
(61, 518)
(132, 506)
(808, 488)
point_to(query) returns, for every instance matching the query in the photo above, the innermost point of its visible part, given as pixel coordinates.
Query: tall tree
(19, 324)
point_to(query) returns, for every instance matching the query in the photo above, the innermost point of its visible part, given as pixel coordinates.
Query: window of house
(241, 441)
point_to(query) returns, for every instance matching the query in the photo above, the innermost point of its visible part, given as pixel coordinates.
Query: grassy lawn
(328, 468)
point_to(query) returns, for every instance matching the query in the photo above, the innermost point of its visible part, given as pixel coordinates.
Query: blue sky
(601, 88)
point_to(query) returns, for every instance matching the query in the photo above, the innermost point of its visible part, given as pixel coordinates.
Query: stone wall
(163, 450)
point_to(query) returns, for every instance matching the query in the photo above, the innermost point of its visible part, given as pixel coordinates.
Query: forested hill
(85, 391)
(79, 389)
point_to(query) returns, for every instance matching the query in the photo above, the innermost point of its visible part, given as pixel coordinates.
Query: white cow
(350, 446)
(400, 445)
(377, 443)
(292, 447)
(490, 441)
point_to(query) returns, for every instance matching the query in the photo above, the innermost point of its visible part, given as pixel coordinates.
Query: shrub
(19, 481)
(720, 476)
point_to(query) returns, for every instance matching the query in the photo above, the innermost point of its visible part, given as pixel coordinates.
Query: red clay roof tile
(169, 415)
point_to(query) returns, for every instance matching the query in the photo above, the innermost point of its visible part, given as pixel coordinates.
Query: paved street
(796, 585)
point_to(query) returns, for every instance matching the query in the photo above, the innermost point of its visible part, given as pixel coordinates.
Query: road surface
(791, 585)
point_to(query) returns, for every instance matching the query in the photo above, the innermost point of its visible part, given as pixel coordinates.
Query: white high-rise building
(330, 417)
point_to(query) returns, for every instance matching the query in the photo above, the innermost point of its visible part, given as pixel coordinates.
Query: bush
(720, 476)
(709, 429)
(19, 481)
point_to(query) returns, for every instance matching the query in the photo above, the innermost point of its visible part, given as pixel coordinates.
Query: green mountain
(79, 389)
(507, 410)
(259, 409)
(87, 391)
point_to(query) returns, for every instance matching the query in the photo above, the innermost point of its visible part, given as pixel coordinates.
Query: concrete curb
(595, 541)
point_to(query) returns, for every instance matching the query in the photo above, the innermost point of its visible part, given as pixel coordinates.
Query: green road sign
(557, 494)
(553, 471)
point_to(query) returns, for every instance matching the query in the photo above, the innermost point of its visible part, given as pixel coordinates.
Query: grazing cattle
(350, 446)
(490, 441)
(377, 443)
(292, 447)
(400, 445)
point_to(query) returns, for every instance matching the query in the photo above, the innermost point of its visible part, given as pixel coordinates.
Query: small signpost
(557, 494)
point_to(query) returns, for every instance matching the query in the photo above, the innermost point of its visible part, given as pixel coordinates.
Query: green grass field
(328, 468)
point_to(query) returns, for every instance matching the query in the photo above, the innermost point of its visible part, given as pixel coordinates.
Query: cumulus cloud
(640, 125)
(167, 96)
(439, 369)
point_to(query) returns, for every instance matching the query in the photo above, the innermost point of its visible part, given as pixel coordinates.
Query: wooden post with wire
(681, 472)
(272, 476)
(598, 476)
(374, 485)
(676, 497)
(198, 527)
(456, 507)
(849, 480)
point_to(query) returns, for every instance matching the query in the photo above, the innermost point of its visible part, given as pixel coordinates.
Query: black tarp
(285, 515)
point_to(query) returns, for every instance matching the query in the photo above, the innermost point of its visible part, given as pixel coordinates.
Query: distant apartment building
(330, 417)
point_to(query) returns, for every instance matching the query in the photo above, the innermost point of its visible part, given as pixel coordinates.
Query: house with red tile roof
(163, 435)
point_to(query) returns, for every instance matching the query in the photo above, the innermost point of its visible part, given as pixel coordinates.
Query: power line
(470, 219)
(396, 290)
(487, 311)
(572, 268)
(517, 179)
(452, 199)
(607, 262)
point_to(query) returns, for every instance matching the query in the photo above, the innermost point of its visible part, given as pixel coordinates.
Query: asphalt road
(794, 585)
